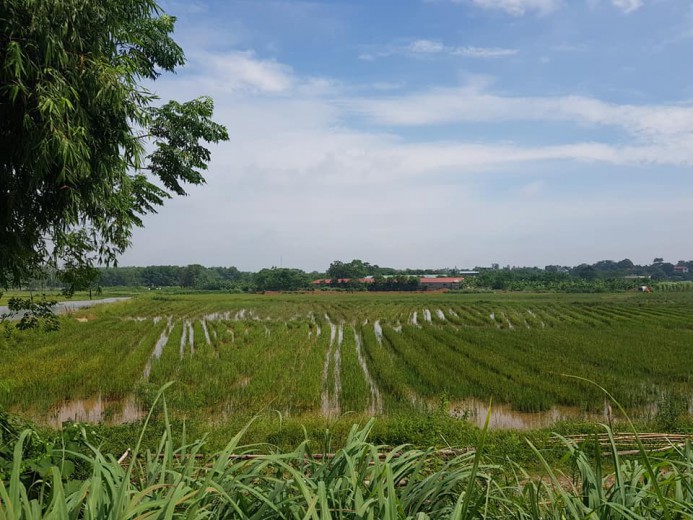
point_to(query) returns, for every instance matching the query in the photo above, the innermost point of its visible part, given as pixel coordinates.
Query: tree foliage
(281, 279)
(31, 313)
(76, 124)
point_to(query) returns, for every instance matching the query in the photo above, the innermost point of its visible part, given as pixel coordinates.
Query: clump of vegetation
(30, 313)
(673, 412)
(360, 480)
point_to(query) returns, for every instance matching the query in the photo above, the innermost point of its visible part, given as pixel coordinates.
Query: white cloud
(474, 104)
(628, 6)
(483, 52)
(424, 47)
(243, 71)
(517, 7)
(296, 181)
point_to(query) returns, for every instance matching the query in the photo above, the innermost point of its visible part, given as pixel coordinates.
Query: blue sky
(433, 133)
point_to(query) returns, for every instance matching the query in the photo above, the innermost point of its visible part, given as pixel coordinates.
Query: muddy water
(503, 417)
(95, 411)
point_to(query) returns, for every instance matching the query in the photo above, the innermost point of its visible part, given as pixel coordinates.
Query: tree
(281, 279)
(585, 271)
(76, 122)
(80, 278)
(626, 263)
(354, 269)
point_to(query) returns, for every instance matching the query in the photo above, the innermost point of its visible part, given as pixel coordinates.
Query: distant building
(425, 282)
(681, 269)
(440, 283)
(328, 281)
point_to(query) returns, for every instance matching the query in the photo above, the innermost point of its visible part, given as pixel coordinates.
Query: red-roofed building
(425, 283)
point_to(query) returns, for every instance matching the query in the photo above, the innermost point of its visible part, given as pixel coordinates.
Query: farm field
(321, 356)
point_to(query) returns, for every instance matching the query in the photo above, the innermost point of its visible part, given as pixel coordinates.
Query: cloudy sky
(433, 133)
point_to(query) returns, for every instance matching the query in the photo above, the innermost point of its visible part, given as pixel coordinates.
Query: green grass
(265, 356)
(71, 478)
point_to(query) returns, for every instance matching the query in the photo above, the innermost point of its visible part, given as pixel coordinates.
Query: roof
(340, 280)
(440, 280)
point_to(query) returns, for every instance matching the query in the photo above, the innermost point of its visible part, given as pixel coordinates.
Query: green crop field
(327, 355)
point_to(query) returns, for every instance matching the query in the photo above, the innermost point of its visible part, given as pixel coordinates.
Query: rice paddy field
(318, 357)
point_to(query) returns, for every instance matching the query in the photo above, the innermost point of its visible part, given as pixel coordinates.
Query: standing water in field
(96, 411)
(376, 401)
(427, 315)
(318, 329)
(441, 315)
(159, 347)
(204, 329)
(330, 402)
(543, 325)
(184, 338)
(338, 366)
(503, 417)
(378, 331)
(414, 320)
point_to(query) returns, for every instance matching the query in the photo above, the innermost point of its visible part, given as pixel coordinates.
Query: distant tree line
(192, 276)
(605, 275)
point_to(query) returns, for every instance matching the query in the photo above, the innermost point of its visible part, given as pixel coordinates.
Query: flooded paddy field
(330, 355)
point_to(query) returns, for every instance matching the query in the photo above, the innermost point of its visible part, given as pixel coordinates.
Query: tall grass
(359, 481)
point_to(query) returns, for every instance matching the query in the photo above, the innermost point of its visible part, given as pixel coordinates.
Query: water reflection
(95, 411)
(504, 417)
